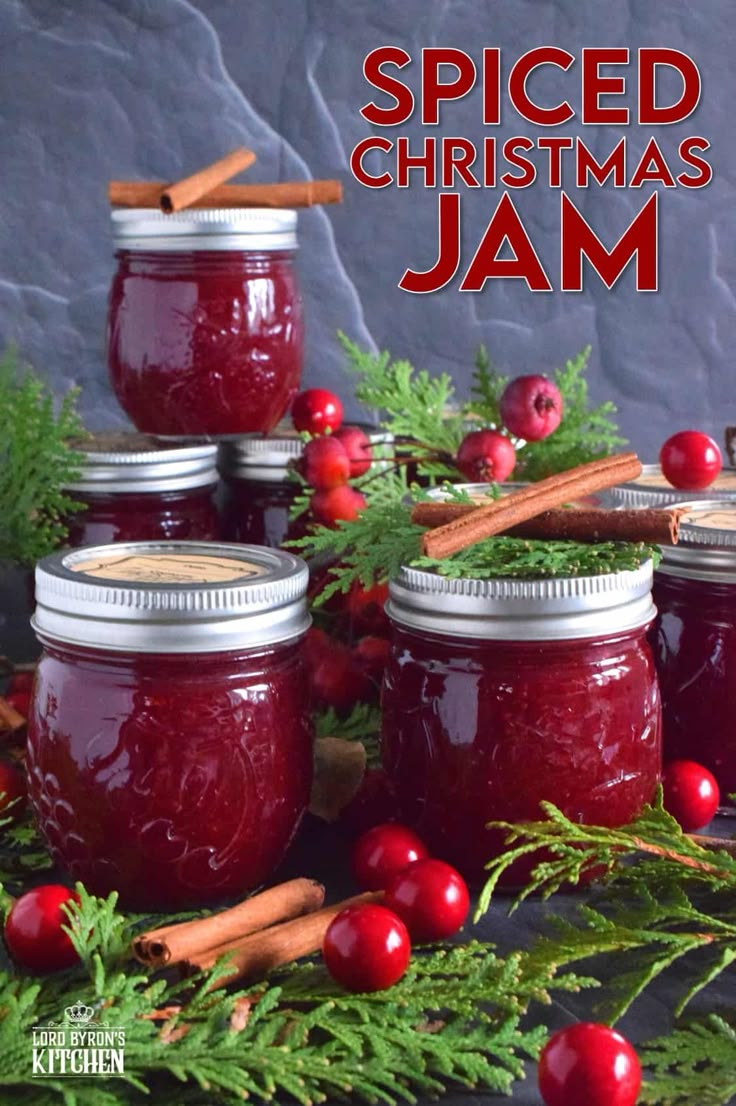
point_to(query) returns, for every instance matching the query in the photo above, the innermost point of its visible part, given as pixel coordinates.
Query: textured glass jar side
(481, 731)
(174, 780)
(154, 516)
(205, 343)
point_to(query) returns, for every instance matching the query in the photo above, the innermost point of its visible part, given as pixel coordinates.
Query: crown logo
(79, 1014)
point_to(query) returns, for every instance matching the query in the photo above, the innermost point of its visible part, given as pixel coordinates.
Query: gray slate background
(93, 89)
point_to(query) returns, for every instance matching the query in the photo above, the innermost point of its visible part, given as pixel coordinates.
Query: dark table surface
(322, 852)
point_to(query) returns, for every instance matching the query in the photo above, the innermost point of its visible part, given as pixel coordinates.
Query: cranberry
(21, 681)
(358, 447)
(589, 1065)
(366, 948)
(431, 898)
(33, 930)
(375, 802)
(325, 464)
(20, 701)
(365, 607)
(12, 790)
(316, 411)
(337, 681)
(486, 455)
(372, 654)
(531, 407)
(690, 460)
(382, 852)
(342, 504)
(690, 793)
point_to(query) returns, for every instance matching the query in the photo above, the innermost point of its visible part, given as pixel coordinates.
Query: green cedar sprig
(664, 899)
(696, 1063)
(454, 1018)
(36, 463)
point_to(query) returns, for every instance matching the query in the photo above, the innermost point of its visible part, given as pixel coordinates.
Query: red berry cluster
(531, 409)
(368, 946)
(335, 455)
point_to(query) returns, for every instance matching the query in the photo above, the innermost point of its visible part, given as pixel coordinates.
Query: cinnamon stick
(172, 944)
(502, 514)
(192, 188)
(661, 527)
(307, 193)
(258, 954)
(709, 841)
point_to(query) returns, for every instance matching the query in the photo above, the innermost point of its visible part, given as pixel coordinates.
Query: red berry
(33, 930)
(365, 607)
(316, 411)
(358, 447)
(382, 852)
(12, 790)
(589, 1065)
(371, 654)
(690, 460)
(325, 464)
(366, 948)
(690, 793)
(21, 681)
(337, 681)
(531, 407)
(430, 897)
(375, 802)
(486, 455)
(342, 504)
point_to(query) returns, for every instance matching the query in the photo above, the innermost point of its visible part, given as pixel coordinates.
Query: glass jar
(500, 694)
(652, 489)
(134, 488)
(169, 744)
(695, 642)
(205, 329)
(259, 494)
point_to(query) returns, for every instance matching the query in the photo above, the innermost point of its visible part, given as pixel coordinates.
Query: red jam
(172, 780)
(478, 730)
(258, 512)
(695, 648)
(180, 516)
(165, 760)
(205, 331)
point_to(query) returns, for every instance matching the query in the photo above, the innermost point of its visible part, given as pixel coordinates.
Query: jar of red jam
(259, 489)
(134, 488)
(695, 642)
(500, 694)
(169, 744)
(653, 489)
(205, 329)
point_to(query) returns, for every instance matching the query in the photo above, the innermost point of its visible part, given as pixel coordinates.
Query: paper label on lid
(711, 518)
(169, 568)
(725, 482)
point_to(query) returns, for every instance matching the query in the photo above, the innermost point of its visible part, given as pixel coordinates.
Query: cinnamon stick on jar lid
(172, 944)
(296, 193)
(660, 527)
(502, 514)
(185, 192)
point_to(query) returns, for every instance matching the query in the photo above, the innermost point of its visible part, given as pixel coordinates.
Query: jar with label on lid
(695, 642)
(205, 328)
(170, 741)
(653, 489)
(133, 488)
(259, 492)
(502, 693)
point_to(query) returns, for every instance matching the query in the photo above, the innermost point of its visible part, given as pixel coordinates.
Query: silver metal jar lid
(171, 597)
(523, 610)
(232, 228)
(652, 489)
(134, 463)
(266, 459)
(707, 546)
